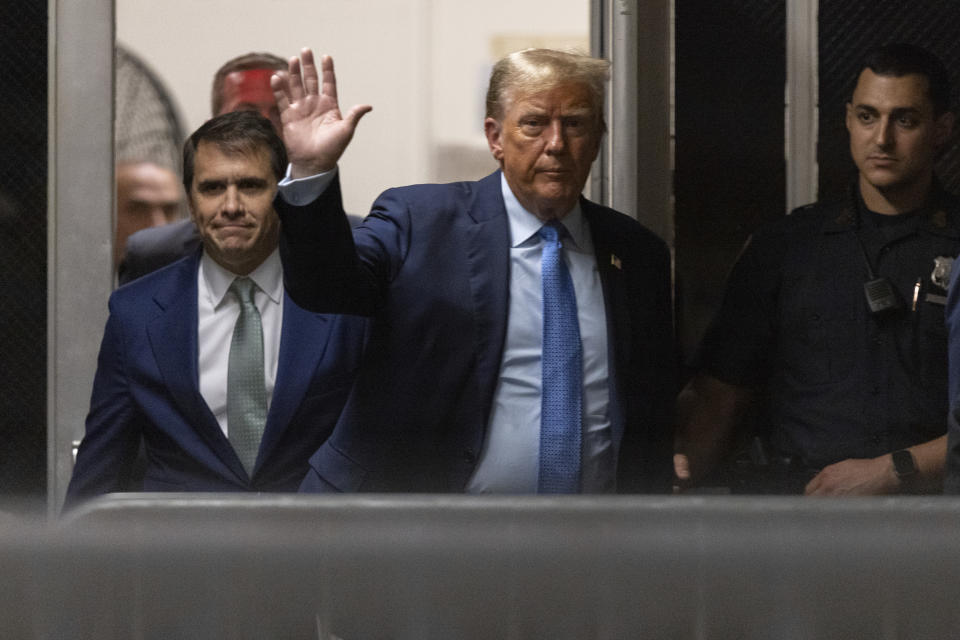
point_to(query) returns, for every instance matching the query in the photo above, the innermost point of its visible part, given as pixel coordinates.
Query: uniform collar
(940, 218)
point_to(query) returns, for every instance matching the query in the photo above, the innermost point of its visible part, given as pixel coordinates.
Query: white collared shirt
(509, 462)
(217, 312)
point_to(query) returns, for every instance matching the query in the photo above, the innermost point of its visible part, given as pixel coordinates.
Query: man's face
(250, 90)
(894, 133)
(231, 201)
(545, 144)
(147, 196)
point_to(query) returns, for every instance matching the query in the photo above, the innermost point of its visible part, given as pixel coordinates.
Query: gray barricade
(462, 567)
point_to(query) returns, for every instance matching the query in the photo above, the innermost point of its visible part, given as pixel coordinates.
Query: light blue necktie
(246, 389)
(560, 416)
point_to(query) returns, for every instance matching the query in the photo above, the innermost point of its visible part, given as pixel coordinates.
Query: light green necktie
(246, 389)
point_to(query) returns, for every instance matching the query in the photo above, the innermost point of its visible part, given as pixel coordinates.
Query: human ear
(494, 132)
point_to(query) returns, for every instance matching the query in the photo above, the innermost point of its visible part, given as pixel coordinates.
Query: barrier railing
(462, 567)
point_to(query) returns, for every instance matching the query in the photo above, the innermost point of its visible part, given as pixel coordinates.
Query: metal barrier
(462, 567)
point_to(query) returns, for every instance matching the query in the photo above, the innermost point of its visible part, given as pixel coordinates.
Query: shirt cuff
(303, 191)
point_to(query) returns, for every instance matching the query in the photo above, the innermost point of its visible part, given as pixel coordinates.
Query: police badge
(941, 272)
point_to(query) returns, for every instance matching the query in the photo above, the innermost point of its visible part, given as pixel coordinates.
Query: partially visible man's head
(544, 123)
(243, 83)
(148, 195)
(898, 118)
(231, 166)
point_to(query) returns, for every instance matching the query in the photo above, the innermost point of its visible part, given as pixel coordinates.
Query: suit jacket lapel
(303, 341)
(619, 330)
(488, 264)
(609, 263)
(173, 338)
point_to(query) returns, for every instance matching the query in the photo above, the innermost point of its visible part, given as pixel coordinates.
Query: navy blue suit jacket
(951, 480)
(147, 389)
(430, 264)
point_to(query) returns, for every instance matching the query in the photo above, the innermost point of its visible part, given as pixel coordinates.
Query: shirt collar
(268, 277)
(524, 225)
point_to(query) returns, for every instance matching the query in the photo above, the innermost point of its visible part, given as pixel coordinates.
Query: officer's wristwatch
(903, 464)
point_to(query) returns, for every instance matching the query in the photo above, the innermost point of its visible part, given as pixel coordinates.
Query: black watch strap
(903, 464)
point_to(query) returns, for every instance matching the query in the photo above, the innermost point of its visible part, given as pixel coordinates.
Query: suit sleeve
(952, 315)
(107, 454)
(649, 375)
(329, 268)
(666, 355)
(951, 474)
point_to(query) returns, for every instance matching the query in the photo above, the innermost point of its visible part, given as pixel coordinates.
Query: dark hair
(900, 59)
(237, 132)
(241, 63)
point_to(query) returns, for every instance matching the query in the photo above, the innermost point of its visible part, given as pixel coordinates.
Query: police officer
(834, 316)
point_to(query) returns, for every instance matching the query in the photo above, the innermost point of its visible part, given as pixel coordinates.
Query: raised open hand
(314, 131)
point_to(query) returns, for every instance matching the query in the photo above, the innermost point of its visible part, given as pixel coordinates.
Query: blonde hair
(535, 70)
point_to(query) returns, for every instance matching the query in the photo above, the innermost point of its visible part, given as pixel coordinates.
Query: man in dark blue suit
(461, 388)
(226, 390)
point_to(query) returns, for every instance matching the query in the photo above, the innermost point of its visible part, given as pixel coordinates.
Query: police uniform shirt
(840, 381)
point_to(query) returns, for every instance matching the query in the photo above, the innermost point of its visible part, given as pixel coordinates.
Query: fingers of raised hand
(311, 83)
(295, 81)
(280, 84)
(329, 87)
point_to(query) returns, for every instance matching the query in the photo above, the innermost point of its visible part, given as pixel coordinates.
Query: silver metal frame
(80, 218)
(802, 94)
(635, 171)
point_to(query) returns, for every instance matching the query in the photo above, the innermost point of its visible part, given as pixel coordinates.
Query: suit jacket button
(470, 455)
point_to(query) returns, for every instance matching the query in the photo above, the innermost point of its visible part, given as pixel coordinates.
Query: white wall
(422, 64)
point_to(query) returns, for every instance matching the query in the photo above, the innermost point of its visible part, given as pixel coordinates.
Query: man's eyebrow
(895, 110)
(899, 111)
(203, 185)
(256, 180)
(239, 180)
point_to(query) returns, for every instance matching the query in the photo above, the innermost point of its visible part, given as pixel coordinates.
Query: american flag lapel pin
(615, 261)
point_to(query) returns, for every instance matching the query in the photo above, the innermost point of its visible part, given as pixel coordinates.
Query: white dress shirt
(217, 312)
(510, 459)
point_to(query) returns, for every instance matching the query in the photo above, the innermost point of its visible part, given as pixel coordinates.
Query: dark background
(730, 170)
(23, 248)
